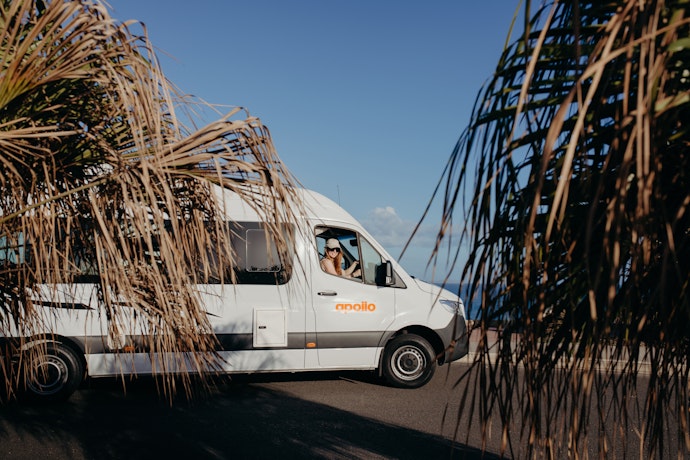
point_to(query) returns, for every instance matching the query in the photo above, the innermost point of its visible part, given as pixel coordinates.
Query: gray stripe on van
(364, 339)
(241, 342)
(298, 340)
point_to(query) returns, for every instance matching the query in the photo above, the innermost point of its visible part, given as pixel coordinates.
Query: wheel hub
(408, 363)
(48, 376)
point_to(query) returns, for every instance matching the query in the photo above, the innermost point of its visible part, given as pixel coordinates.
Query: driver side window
(338, 252)
(355, 257)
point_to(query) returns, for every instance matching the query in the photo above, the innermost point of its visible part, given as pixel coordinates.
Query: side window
(354, 248)
(345, 258)
(77, 264)
(372, 264)
(12, 250)
(257, 259)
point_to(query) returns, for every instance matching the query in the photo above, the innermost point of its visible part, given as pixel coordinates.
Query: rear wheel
(408, 361)
(53, 372)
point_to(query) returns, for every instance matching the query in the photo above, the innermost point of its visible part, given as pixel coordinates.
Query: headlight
(452, 306)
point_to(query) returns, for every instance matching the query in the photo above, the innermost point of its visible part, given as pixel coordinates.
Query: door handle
(328, 293)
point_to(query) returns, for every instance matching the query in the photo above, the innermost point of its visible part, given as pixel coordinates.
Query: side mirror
(390, 279)
(385, 276)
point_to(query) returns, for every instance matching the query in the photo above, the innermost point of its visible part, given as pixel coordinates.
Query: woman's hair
(337, 261)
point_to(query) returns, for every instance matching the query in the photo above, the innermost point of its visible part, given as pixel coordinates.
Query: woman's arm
(351, 268)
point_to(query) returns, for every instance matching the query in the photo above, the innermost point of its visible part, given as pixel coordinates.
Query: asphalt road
(322, 415)
(315, 415)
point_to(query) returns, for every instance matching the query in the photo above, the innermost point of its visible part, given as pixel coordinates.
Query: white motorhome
(288, 316)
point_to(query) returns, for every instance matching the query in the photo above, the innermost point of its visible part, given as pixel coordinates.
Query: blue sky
(364, 99)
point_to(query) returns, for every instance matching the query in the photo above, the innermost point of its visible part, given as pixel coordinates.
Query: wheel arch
(74, 345)
(428, 334)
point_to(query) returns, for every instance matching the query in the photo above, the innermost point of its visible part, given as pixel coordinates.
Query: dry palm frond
(94, 161)
(580, 246)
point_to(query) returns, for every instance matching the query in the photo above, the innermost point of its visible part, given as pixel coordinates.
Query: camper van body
(302, 319)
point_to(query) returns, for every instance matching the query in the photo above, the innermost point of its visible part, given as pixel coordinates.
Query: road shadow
(239, 419)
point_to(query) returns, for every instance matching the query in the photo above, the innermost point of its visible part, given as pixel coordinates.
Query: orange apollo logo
(364, 307)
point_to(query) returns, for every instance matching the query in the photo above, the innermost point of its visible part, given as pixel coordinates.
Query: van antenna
(337, 186)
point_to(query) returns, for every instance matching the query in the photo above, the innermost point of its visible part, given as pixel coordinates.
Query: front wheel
(408, 361)
(52, 373)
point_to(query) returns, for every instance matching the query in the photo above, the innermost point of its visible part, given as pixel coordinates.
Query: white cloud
(389, 229)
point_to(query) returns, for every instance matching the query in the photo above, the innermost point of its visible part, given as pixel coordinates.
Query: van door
(351, 313)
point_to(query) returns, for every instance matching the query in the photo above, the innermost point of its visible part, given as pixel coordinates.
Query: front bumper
(455, 338)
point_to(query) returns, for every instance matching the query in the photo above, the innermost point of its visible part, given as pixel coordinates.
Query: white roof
(315, 207)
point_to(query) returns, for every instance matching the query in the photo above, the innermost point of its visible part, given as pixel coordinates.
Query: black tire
(54, 372)
(408, 361)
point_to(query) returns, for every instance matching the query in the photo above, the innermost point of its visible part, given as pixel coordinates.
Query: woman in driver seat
(332, 261)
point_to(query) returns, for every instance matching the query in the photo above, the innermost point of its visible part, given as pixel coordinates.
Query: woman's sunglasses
(334, 249)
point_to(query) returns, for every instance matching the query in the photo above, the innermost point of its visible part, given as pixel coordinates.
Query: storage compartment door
(269, 328)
